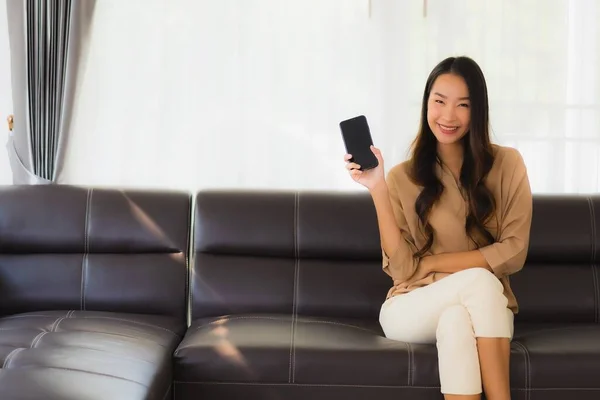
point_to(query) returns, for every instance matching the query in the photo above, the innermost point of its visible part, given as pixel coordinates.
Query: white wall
(248, 93)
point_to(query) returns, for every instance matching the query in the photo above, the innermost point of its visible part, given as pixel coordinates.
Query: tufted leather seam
(292, 371)
(10, 356)
(10, 329)
(410, 363)
(110, 353)
(25, 316)
(596, 295)
(122, 335)
(168, 391)
(594, 233)
(37, 339)
(593, 259)
(86, 247)
(564, 328)
(84, 268)
(133, 322)
(96, 373)
(527, 368)
(528, 373)
(597, 300)
(227, 319)
(316, 321)
(56, 323)
(357, 386)
(307, 385)
(295, 320)
(310, 321)
(188, 262)
(54, 326)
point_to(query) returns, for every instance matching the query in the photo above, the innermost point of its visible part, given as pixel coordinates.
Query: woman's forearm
(391, 238)
(402, 263)
(455, 262)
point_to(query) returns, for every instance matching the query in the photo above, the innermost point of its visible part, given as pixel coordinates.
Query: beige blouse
(508, 183)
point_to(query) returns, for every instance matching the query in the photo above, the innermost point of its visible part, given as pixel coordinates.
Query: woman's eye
(439, 102)
(464, 105)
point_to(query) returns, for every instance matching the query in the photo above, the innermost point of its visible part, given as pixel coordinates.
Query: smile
(448, 130)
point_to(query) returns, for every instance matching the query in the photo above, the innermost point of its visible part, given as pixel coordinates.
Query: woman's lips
(448, 130)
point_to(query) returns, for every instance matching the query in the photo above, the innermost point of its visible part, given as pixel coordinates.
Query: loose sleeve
(403, 264)
(508, 254)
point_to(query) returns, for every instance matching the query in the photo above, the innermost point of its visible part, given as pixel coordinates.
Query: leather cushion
(124, 283)
(563, 229)
(74, 355)
(239, 348)
(272, 348)
(558, 356)
(71, 219)
(306, 224)
(65, 247)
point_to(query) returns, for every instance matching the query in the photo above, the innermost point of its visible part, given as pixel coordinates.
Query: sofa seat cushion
(74, 355)
(303, 350)
(555, 359)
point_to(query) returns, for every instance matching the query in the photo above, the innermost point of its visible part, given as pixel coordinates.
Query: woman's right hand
(371, 178)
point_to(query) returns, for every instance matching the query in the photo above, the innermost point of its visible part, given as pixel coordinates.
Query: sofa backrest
(319, 254)
(281, 252)
(560, 280)
(64, 247)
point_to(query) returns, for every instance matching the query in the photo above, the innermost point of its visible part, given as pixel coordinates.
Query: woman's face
(448, 109)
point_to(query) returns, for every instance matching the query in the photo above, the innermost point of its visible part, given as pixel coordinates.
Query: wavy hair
(477, 159)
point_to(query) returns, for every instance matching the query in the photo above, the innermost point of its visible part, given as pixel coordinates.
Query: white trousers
(452, 313)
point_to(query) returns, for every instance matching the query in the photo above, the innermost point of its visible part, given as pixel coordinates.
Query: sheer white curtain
(5, 96)
(248, 93)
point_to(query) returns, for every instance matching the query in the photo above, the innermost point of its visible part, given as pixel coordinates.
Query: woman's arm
(397, 244)
(455, 262)
(391, 239)
(508, 254)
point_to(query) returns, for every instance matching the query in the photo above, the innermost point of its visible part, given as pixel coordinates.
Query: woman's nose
(449, 114)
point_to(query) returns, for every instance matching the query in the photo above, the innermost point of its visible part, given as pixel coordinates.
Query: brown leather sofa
(283, 296)
(92, 292)
(286, 290)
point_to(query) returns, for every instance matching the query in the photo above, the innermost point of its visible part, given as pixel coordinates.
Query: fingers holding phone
(370, 177)
(352, 167)
(364, 161)
(378, 156)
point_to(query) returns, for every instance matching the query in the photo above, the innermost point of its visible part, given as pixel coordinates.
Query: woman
(454, 222)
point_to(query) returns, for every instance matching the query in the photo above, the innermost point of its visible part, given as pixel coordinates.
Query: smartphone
(358, 141)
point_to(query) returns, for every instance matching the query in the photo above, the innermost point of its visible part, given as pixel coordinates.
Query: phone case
(357, 139)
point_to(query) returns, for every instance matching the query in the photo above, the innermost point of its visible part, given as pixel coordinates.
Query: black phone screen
(358, 141)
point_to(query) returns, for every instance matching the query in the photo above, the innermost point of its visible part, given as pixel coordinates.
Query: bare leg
(494, 360)
(462, 397)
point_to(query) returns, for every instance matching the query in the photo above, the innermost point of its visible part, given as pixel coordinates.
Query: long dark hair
(477, 160)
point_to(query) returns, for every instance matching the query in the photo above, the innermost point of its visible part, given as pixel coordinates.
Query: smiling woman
(455, 134)
(448, 114)
(454, 223)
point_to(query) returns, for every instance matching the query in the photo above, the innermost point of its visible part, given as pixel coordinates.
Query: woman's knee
(455, 322)
(482, 282)
(482, 276)
(400, 320)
